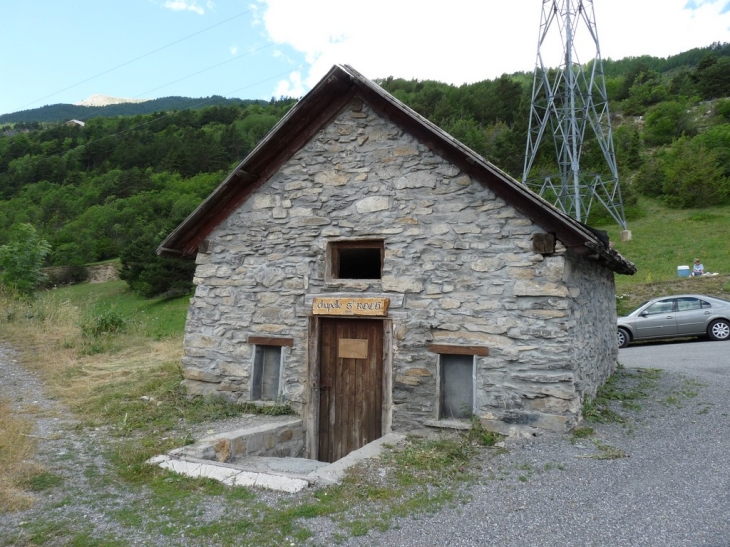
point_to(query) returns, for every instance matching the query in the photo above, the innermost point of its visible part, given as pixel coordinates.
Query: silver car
(676, 316)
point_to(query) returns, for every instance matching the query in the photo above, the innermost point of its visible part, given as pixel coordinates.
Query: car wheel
(719, 330)
(623, 338)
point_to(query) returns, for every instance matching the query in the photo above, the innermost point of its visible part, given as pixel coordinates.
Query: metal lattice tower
(570, 108)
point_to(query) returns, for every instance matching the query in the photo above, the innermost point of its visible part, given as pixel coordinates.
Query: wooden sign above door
(372, 307)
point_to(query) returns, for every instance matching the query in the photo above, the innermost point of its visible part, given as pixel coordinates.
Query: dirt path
(84, 497)
(72, 458)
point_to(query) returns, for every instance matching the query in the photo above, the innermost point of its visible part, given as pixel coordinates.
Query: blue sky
(63, 51)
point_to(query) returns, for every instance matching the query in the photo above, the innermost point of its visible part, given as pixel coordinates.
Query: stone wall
(593, 328)
(458, 264)
(274, 440)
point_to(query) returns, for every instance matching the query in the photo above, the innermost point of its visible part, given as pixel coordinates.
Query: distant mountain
(63, 112)
(106, 100)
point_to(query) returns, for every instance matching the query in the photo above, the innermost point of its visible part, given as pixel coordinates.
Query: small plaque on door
(352, 348)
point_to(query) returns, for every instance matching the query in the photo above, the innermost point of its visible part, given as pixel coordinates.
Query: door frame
(312, 410)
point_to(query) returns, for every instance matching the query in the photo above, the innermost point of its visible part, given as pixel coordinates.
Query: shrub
(689, 174)
(21, 259)
(694, 177)
(650, 178)
(722, 110)
(666, 122)
(106, 322)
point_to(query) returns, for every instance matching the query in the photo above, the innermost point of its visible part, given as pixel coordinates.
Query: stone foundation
(280, 440)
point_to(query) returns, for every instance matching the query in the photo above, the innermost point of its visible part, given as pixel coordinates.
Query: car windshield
(639, 307)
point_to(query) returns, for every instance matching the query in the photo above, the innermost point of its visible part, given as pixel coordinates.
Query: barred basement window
(457, 379)
(267, 366)
(456, 386)
(266, 372)
(357, 259)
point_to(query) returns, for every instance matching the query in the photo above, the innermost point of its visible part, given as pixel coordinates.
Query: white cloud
(660, 28)
(470, 40)
(293, 87)
(184, 5)
(278, 54)
(233, 50)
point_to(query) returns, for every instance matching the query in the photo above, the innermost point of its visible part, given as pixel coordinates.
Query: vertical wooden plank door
(350, 384)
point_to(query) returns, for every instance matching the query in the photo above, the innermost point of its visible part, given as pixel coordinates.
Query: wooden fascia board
(458, 349)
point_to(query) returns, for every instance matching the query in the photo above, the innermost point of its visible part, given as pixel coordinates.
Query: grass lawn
(667, 238)
(158, 317)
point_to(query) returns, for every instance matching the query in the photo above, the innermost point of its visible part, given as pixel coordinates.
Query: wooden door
(350, 384)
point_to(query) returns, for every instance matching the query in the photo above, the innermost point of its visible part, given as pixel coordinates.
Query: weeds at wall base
(624, 387)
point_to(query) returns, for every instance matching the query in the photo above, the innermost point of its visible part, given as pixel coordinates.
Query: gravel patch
(672, 488)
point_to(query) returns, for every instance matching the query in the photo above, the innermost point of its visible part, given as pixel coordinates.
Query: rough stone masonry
(459, 268)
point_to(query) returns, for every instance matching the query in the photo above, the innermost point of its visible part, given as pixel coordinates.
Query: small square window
(456, 389)
(266, 373)
(357, 259)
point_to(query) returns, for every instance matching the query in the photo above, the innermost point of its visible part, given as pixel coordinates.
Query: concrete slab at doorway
(280, 474)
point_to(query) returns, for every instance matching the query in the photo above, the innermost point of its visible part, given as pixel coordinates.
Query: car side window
(687, 304)
(705, 304)
(663, 306)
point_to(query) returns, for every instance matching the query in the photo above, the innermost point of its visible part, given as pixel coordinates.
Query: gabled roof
(322, 104)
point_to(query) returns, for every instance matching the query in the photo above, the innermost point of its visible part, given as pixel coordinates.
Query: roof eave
(299, 124)
(319, 106)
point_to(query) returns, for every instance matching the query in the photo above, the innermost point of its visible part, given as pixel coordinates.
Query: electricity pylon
(569, 109)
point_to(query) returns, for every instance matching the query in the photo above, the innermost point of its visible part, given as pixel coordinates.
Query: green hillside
(666, 238)
(115, 187)
(64, 112)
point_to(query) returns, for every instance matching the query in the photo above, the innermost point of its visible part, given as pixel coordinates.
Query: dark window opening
(457, 386)
(266, 372)
(357, 260)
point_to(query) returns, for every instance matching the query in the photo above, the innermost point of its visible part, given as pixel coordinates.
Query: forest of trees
(117, 186)
(62, 112)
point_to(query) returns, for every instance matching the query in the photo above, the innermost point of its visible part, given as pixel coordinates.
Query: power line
(137, 58)
(206, 69)
(236, 58)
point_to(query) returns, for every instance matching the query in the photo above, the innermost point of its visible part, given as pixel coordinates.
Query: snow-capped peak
(106, 100)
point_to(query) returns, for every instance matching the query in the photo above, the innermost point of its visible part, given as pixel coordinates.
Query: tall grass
(16, 449)
(98, 348)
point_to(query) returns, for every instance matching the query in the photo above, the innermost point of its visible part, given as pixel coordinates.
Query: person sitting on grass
(698, 269)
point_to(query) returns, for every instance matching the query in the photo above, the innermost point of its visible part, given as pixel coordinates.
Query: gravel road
(672, 489)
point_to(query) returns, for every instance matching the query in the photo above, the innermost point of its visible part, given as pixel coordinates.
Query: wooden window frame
(271, 341)
(482, 351)
(333, 256)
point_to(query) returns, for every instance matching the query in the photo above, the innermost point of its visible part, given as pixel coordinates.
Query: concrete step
(282, 474)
